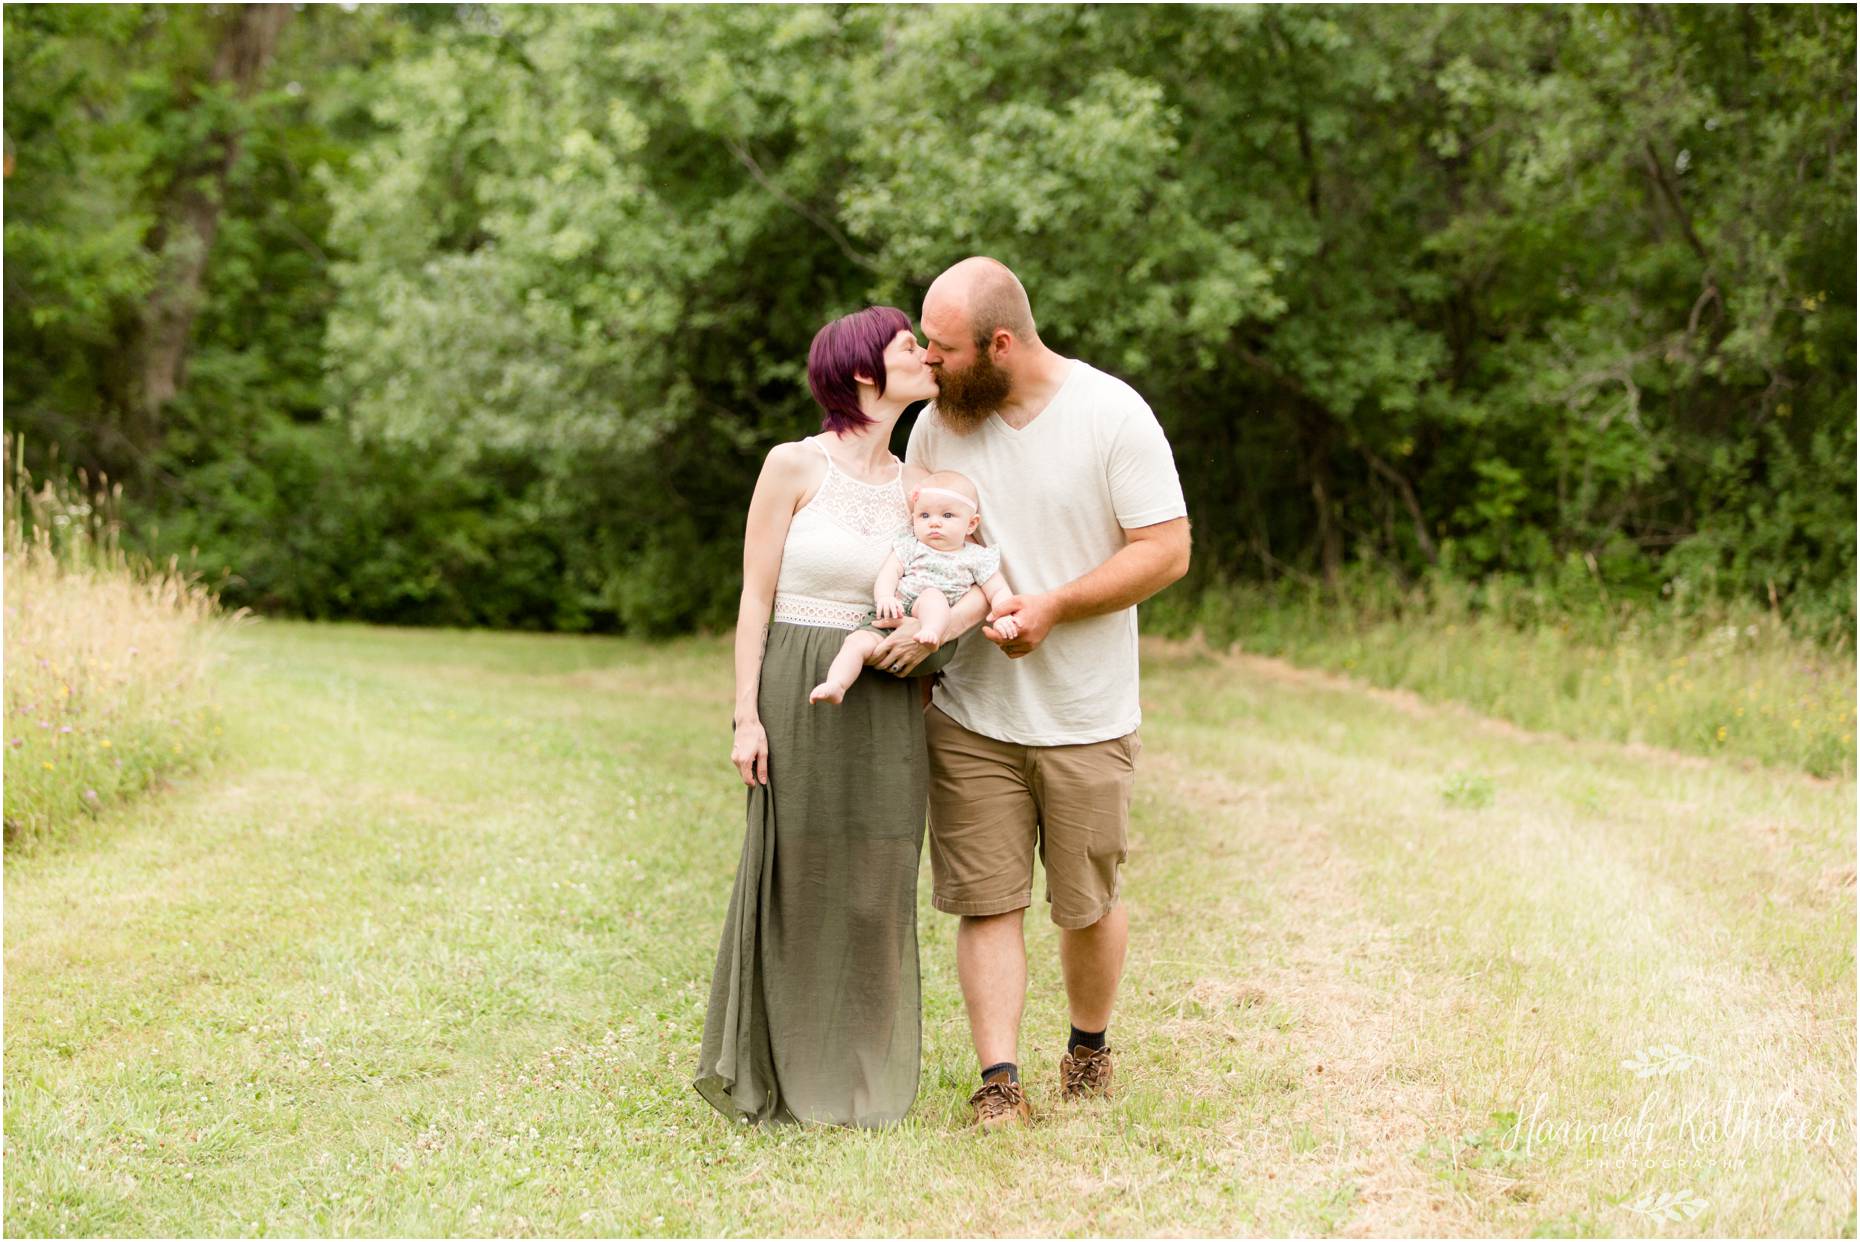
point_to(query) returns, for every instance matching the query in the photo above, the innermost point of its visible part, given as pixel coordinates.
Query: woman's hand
(750, 753)
(898, 652)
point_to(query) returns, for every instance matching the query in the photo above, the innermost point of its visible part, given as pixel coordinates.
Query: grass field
(425, 951)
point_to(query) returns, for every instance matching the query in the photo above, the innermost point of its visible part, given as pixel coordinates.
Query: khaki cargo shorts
(993, 803)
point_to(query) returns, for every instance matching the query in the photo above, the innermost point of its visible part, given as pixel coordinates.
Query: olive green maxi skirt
(814, 1012)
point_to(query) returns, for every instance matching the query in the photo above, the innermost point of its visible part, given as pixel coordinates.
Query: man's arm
(1152, 557)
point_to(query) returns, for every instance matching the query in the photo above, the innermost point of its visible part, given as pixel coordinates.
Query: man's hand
(1030, 619)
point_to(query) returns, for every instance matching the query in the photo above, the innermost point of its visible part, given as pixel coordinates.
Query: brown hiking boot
(999, 1103)
(1084, 1074)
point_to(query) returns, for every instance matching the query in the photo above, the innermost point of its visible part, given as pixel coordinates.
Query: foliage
(509, 301)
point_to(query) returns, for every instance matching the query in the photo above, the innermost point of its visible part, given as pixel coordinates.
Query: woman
(814, 1012)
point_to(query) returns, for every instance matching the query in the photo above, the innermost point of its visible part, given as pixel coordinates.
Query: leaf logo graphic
(1660, 1060)
(1671, 1205)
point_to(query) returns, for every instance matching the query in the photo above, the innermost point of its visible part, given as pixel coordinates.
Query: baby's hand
(889, 608)
(1007, 627)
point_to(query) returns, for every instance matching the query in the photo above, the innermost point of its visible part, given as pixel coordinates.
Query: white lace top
(836, 545)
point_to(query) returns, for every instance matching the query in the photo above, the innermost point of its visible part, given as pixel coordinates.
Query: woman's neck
(869, 446)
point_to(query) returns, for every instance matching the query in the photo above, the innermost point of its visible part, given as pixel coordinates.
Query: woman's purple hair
(851, 345)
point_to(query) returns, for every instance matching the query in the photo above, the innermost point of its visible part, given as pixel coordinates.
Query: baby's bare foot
(928, 638)
(827, 692)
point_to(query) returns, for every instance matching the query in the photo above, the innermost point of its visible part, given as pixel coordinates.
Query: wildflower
(104, 742)
(18, 742)
(90, 794)
(65, 729)
(47, 764)
(1721, 733)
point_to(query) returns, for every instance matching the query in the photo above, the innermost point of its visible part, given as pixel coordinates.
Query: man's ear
(1000, 343)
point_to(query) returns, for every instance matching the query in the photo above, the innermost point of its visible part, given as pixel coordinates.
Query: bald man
(1033, 738)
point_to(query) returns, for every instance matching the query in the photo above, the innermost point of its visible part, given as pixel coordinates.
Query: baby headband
(944, 491)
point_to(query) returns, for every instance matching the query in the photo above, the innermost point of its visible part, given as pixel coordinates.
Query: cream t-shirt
(1057, 496)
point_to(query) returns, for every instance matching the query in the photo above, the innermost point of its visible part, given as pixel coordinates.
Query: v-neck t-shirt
(1057, 496)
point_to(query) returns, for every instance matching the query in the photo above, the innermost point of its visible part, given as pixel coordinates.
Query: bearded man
(1033, 739)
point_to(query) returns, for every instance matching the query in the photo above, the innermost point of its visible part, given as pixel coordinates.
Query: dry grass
(106, 660)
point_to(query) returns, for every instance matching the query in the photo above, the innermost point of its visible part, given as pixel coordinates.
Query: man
(1033, 740)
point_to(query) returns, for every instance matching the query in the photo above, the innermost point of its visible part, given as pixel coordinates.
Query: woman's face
(907, 375)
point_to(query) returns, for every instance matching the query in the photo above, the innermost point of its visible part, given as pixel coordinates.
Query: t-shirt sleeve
(1145, 488)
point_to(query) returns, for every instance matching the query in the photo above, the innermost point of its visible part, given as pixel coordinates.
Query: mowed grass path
(426, 952)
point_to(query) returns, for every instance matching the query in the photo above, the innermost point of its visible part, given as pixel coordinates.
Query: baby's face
(942, 523)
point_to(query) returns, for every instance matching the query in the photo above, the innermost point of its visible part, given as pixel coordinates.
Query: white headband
(944, 491)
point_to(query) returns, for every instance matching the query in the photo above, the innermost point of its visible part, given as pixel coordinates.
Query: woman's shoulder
(791, 471)
(791, 453)
(797, 460)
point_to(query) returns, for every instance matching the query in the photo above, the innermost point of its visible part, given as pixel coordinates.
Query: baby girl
(928, 570)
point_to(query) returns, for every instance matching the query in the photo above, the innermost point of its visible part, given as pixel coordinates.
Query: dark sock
(1093, 1040)
(1002, 1069)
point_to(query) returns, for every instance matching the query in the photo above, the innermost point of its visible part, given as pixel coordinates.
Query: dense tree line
(486, 315)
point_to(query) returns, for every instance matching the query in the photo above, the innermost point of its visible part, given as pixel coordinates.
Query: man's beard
(967, 397)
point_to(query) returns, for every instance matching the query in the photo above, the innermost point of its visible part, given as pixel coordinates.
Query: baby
(929, 569)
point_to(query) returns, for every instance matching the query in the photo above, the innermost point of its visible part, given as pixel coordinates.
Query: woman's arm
(898, 653)
(784, 479)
